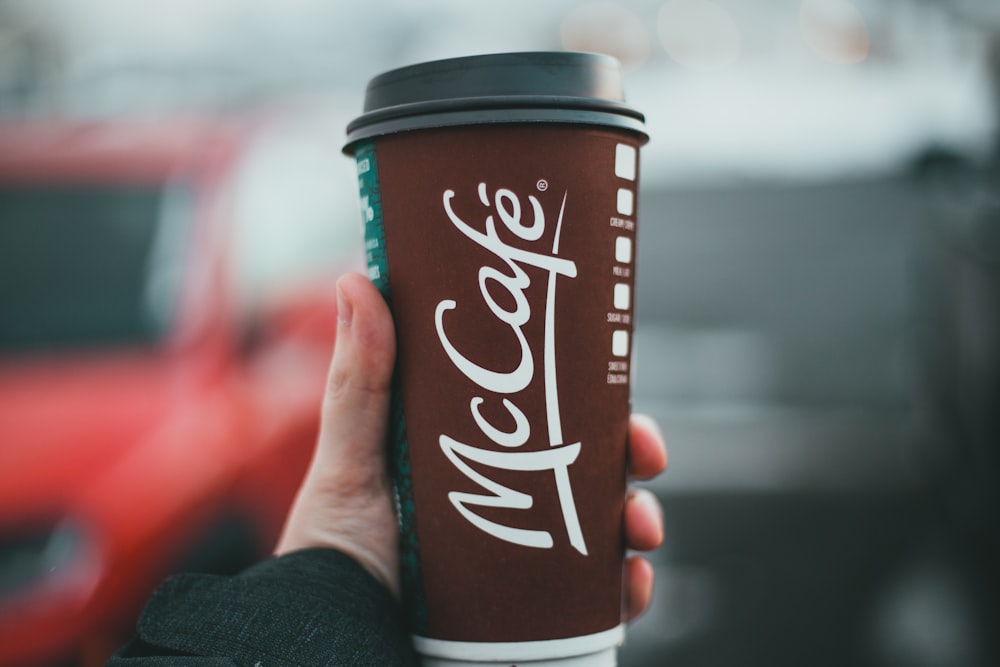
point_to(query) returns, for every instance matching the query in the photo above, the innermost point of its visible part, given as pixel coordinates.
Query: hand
(346, 500)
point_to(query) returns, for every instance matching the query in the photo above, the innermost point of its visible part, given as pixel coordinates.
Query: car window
(83, 265)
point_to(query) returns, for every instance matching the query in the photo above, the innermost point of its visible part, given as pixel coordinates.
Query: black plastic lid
(553, 87)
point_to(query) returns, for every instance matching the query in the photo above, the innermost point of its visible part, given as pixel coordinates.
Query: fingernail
(345, 311)
(652, 508)
(649, 423)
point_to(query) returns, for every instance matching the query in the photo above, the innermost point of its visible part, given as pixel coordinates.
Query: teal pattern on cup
(398, 446)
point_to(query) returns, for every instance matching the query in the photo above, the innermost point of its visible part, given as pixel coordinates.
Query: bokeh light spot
(699, 34)
(609, 28)
(834, 30)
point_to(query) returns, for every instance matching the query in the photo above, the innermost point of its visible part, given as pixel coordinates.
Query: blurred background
(818, 308)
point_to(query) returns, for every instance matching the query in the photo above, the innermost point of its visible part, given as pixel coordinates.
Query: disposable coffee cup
(499, 198)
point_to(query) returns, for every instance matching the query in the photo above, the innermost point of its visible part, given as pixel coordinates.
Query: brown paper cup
(506, 249)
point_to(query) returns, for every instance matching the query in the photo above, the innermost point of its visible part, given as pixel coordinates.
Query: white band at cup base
(601, 644)
(606, 658)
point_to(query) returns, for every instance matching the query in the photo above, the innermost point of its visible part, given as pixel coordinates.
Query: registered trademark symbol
(542, 185)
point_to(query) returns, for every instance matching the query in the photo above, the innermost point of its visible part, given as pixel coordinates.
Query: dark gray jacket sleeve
(312, 607)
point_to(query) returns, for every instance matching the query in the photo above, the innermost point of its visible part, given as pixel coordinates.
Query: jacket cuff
(315, 606)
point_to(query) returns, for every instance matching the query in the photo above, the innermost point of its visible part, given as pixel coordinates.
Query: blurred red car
(150, 419)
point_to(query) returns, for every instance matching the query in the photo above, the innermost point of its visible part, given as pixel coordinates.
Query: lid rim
(522, 116)
(497, 103)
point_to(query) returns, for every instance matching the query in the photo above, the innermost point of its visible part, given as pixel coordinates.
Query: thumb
(356, 403)
(345, 502)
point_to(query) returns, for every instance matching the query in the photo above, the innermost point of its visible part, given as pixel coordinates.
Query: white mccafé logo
(511, 275)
